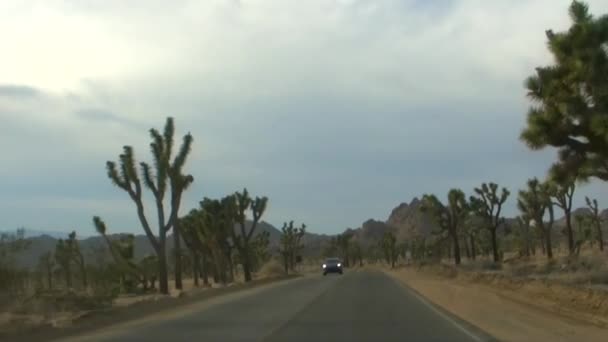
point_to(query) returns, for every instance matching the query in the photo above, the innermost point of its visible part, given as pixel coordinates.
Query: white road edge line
(432, 307)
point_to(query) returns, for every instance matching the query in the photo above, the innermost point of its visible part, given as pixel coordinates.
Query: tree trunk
(494, 245)
(178, 257)
(68, 276)
(600, 237)
(286, 262)
(246, 262)
(163, 277)
(204, 268)
(543, 241)
(467, 249)
(230, 268)
(548, 243)
(195, 268)
(473, 250)
(216, 274)
(548, 232)
(569, 231)
(49, 278)
(83, 270)
(456, 249)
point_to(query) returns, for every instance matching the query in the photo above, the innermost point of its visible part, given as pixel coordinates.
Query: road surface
(357, 306)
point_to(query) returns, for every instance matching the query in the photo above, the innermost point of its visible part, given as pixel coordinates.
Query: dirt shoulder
(512, 311)
(157, 308)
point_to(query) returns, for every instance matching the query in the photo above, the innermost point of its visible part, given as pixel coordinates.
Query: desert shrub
(272, 268)
(48, 302)
(584, 263)
(548, 267)
(521, 269)
(489, 265)
(482, 265)
(599, 276)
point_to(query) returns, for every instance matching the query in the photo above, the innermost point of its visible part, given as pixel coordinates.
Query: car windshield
(332, 261)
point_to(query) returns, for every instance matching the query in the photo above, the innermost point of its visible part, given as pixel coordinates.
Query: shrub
(272, 268)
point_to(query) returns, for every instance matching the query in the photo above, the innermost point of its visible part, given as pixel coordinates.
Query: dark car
(332, 265)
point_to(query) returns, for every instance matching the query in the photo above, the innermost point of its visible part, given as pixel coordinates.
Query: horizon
(338, 111)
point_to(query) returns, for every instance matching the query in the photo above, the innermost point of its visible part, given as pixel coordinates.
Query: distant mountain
(31, 233)
(94, 248)
(407, 221)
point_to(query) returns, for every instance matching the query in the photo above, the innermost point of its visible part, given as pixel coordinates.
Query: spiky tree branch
(488, 205)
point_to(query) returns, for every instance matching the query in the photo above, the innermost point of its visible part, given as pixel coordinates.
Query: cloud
(337, 110)
(18, 91)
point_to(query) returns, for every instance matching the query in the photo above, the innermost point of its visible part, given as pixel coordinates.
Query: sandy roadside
(146, 311)
(501, 316)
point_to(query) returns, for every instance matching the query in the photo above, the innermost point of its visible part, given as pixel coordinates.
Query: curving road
(357, 306)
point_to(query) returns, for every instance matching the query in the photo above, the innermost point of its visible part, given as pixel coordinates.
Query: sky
(337, 110)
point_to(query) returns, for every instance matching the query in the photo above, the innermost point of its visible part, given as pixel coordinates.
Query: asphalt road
(357, 306)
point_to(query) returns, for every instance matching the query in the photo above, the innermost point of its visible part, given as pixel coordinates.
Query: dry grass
(272, 268)
(512, 310)
(574, 285)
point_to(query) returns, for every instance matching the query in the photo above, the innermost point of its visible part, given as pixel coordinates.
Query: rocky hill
(409, 221)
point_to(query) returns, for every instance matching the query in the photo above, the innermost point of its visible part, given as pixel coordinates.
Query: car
(332, 265)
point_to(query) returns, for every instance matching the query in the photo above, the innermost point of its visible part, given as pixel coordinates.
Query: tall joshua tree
(488, 205)
(166, 173)
(242, 240)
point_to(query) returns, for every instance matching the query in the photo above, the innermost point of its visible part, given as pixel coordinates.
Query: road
(357, 306)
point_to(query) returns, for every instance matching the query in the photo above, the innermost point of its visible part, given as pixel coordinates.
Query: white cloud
(279, 94)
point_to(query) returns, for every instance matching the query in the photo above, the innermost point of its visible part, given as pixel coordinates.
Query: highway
(357, 306)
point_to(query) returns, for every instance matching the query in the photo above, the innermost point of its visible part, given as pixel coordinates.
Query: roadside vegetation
(214, 244)
(218, 242)
(569, 112)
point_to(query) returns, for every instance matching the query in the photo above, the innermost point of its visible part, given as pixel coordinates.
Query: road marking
(437, 311)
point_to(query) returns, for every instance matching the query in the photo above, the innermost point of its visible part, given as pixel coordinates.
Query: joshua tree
(596, 220)
(448, 217)
(259, 249)
(46, 264)
(343, 244)
(472, 226)
(563, 192)
(290, 244)
(63, 257)
(522, 233)
(148, 267)
(242, 240)
(488, 205)
(534, 203)
(357, 252)
(166, 172)
(389, 248)
(583, 231)
(77, 257)
(571, 105)
(122, 251)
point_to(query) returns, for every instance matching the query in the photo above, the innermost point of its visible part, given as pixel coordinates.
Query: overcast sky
(336, 110)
